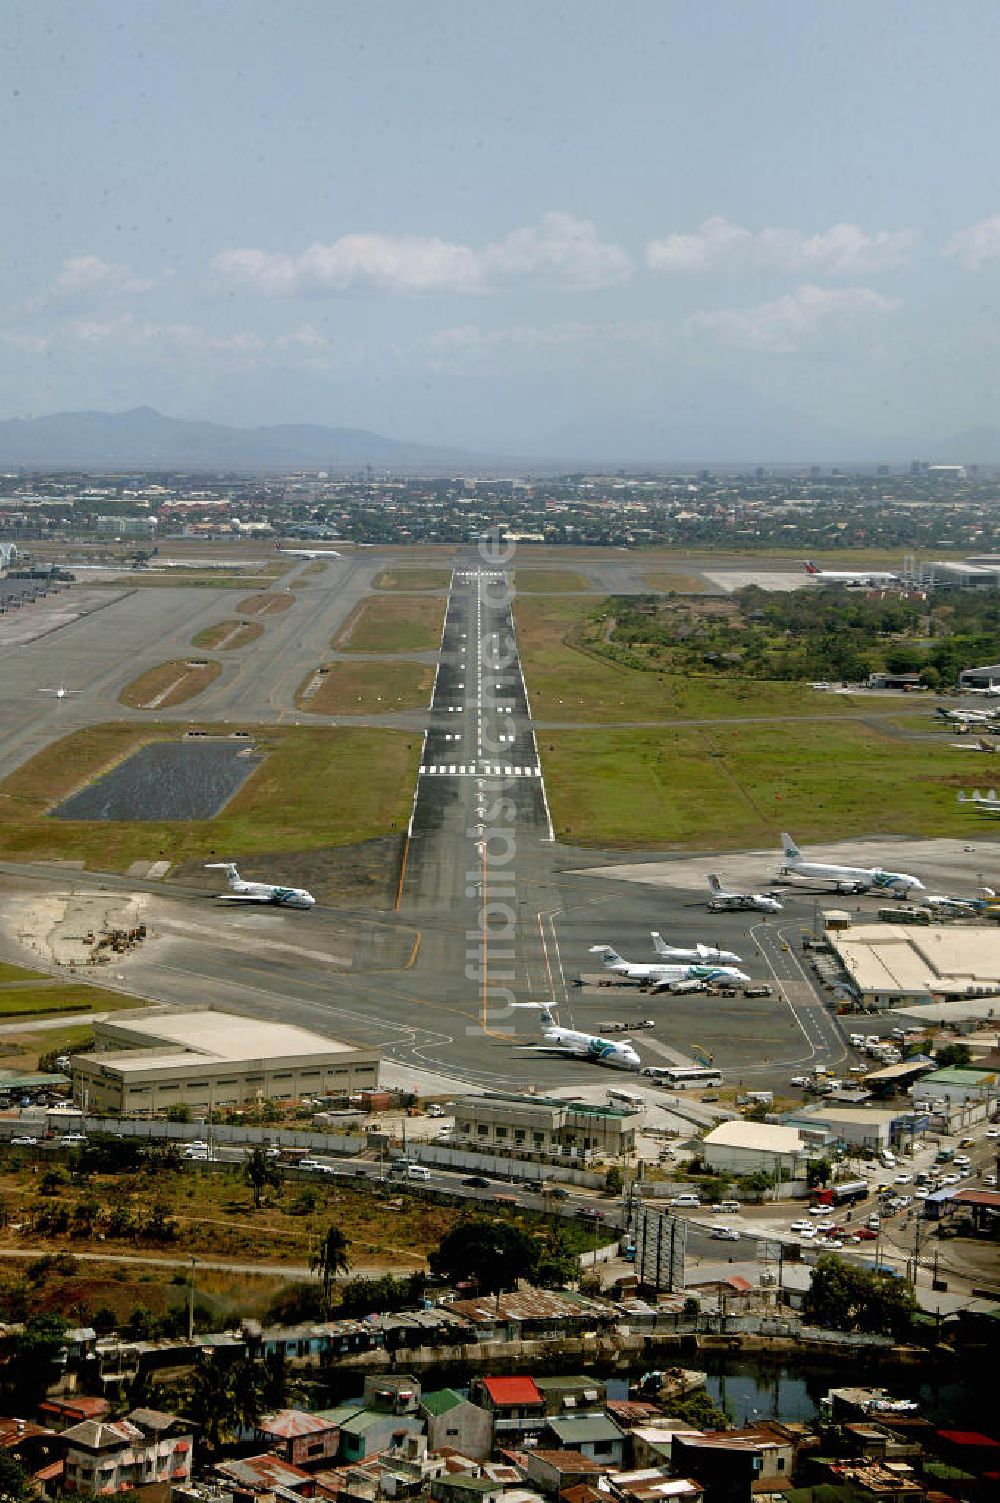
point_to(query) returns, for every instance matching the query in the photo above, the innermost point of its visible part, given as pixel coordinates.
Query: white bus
(683, 1077)
(627, 1098)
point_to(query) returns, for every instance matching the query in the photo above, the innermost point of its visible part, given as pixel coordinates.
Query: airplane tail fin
(714, 882)
(659, 943)
(229, 867)
(791, 850)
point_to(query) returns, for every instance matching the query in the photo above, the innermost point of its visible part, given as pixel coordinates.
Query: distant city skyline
(649, 232)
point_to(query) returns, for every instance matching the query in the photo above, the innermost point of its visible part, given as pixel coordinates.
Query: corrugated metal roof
(513, 1390)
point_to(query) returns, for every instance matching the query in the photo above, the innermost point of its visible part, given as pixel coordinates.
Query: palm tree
(329, 1259)
(260, 1173)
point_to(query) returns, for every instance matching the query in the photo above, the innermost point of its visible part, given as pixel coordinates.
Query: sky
(538, 228)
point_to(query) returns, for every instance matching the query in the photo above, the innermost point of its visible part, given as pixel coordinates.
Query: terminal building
(145, 1062)
(897, 964)
(546, 1126)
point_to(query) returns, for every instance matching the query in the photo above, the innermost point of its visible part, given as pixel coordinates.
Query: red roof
(738, 1283)
(513, 1390)
(968, 1438)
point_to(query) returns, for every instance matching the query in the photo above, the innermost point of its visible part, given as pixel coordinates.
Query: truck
(845, 1193)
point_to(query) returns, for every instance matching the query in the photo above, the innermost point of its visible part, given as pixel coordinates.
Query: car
(993, 1132)
(866, 1234)
(951, 1179)
(196, 1143)
(921, 1193)
(961, 1161)
(724, 1233)
(710, 1097)
(799, 1080)
(819, 1210)
(801, 1226)
(72, 1139)
(313, 1166)
(808, 1233)
(874, 1222)
(686, 1200)
(25, 1140)
(824, 1227)
(991, 1180)
(558, 1193)
(966, 1142)
(590, 1213)
(476, 1181)
(834, 1242)
(903, 1179)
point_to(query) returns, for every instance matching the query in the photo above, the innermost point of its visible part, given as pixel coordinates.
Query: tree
(329, 1259)
(294, 1304)
(212, 1398)
(179, 1112)
(493, 1254)
(758, 1183)
(818, 1172)
(261, 1173)
(614, 1180)
(844, 1298)
(13, 1480)
(35, 1358)
(952, 1056)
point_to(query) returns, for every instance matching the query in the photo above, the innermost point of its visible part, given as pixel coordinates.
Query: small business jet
(663, 977)
(965, 717)
(986, 803)
(698, 954)
(259, 892)
(722, 901)
(556, 1040)
(861, 577)
(62, 692)
(845, 878)
(308, 552)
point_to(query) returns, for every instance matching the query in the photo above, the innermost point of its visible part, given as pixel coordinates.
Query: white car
(951, 1179)
(72, 1139)
(993, 1132)
(991, 1180)
(903, 1179)
(961, 1161)
(315, 1167)
(808, 1233)
(801, 1226)
(725, 1234)
(819, 1210)
(25, 1141)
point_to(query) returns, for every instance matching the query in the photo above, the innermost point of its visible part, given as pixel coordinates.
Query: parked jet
(665, 977)
(259, 892)
(698, 953)
(61, 692)
(988, 691)
(722, 901)
(556, 1040)
(955, 907)
(986, 803)
(846, 878)
(307, 552)
(859, 577)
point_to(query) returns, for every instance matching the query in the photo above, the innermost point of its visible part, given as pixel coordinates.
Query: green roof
(441, 1401)
(341, 1412)
(584, 1429)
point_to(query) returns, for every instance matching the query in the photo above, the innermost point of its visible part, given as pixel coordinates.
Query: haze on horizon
(578, 230)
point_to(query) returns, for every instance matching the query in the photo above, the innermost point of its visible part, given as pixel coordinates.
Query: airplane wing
(243, 897)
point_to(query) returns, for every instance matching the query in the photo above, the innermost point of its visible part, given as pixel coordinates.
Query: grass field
(548, 581)
(567, 684)
(27, 1002)
(412, 579)
(267, 604)
(228, 635)
(18, 973)
(367, 688)
(728, 788)
(665, 580)
(169, 684)
(392, 624)
(293, 802)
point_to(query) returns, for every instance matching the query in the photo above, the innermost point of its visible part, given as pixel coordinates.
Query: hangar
(144, 1062)
(894, 963)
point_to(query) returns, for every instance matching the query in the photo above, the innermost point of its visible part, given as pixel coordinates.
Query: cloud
(474, 339)
(784, 324)
(84, 280)
(977, 244)
(719, 245)
(561, 248)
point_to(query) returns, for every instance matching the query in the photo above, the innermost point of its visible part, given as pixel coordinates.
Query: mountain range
(680, 433)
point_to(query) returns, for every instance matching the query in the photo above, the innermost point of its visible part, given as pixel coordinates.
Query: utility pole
(191, 1300)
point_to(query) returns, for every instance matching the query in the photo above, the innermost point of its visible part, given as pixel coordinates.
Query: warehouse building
(870, 1128)
(744, 1147)
(546, 1126)
(958, 1086)
(144, 1062)
(894, 964)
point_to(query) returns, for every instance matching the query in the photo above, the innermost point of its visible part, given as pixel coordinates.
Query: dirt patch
(170, 684)
(67, 928)
(266, 604)
(226, 636)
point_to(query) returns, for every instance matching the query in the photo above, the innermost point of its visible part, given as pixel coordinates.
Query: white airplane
(986, 803)
(722, 901)
(846, 878)
(307, 552)
(861, 577)
(664, 977)
(942, 903)
(556, 1040)
(988, 693)
(697, 954)
(965, 717)
(259, 892)
(61, 692)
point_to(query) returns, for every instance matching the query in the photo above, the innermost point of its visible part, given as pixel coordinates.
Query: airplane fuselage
(854, 878)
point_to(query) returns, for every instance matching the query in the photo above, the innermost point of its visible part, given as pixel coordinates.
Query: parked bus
(683, 1077)
(627, 1098)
